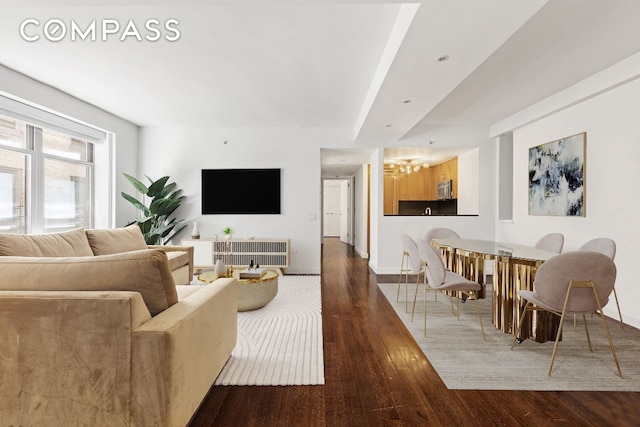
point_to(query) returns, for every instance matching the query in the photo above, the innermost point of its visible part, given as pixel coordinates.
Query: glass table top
(497, 249)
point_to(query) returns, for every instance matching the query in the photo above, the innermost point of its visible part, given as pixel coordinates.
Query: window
(46, 179)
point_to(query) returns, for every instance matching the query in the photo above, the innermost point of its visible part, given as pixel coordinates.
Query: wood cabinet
(412, 186)
(420, 185)
(390, 204)
(415, 186)
(441, 172)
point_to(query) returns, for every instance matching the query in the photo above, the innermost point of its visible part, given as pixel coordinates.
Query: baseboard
(364, 255)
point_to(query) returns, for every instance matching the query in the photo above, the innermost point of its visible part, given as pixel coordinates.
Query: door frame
(349, 208)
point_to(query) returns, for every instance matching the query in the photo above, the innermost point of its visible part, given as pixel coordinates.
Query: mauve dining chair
(552, 242)
(440, 233)
(437, 278)
(576, 282)
(607, 247)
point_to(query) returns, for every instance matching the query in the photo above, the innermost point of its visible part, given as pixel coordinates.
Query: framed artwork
(557, 177)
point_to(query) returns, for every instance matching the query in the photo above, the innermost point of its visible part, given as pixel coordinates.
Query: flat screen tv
(240, 191)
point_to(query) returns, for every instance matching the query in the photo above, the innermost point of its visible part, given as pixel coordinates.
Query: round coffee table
(252, 293)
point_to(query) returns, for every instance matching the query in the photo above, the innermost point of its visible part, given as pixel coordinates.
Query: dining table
(514, 269)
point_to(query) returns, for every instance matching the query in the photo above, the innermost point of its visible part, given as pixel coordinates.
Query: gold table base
(509, 276)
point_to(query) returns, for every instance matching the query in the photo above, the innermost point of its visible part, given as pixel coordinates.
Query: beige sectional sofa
(97, 242)
(105, 339)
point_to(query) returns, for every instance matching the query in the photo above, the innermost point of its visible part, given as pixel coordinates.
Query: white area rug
(463, 361)
(281, 343)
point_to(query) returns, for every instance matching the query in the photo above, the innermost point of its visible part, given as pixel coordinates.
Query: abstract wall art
(557, 177)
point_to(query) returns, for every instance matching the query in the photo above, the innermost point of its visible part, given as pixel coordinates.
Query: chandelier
(409, 166)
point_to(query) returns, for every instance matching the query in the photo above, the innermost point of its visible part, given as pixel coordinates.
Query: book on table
(252, 273)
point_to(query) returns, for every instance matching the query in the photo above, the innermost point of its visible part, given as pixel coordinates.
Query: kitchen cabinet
(390, 198)
(419, 185)
(411, 186)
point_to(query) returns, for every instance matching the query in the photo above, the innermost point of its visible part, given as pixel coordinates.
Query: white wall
(376, 205)
(504, 159)
(360, 211)
(183, 152)
(610, 119)
(468, 185)
(126, 144)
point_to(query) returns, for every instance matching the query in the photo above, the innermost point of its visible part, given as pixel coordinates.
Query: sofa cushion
(65, 244)
(116, 240)
(146, 271)
(177, 259)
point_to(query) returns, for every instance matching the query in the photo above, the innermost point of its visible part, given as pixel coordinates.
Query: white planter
(220, 269)
(195, 233)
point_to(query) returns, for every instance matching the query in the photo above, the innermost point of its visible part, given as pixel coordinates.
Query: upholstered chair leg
(586, 329)
(613, 350)
(400, 278)
(425, 310)
(606, 329)
(555, 346)
(615, 295)
(402, 270)
(564, 310)
(484, 338)
(453, 310)
(415, 296)
(516, 331)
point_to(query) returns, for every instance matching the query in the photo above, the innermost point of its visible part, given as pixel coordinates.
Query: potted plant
(157, 223)
(228, 232)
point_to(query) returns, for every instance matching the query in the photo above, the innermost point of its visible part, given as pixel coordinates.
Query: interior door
(331, 213)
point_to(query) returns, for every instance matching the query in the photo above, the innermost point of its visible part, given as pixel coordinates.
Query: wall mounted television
(240, 191)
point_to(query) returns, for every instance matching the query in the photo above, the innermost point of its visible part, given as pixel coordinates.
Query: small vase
(220, 269)
(195, 233)
(228, 236)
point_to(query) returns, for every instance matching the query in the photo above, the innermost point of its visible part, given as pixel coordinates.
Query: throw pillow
(146, 271)
(65, 244)
(116, 240)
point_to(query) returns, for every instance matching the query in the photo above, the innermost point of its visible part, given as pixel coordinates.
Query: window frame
(35, 174)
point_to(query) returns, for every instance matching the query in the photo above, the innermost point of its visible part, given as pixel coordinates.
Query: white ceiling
(349, 63)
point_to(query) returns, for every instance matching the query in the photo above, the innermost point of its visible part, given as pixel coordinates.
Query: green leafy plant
(227, 230)
(157, 223)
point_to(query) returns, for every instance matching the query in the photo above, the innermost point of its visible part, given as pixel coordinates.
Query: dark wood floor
(376, 375)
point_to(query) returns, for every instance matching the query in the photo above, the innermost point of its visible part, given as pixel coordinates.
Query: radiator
(266, 252)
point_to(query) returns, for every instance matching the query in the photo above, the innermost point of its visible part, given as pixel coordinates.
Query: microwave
(444, 190)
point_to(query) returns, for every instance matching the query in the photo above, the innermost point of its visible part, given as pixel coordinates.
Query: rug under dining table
(464, 361)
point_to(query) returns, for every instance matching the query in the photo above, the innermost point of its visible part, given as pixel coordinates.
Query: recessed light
(443, 58)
